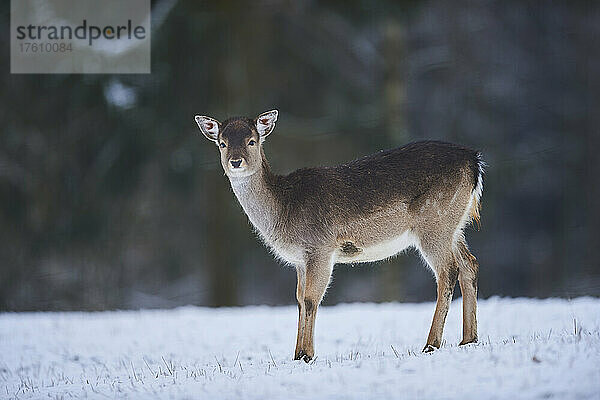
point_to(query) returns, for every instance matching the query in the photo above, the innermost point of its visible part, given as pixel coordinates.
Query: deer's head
(239, 140)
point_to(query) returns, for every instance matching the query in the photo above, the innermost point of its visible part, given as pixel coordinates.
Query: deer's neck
(258, 199)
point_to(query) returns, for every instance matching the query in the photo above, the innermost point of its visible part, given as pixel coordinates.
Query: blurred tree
(109, 198)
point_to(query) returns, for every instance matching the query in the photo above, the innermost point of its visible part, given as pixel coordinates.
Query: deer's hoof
(428, 348)
(302, 355)
(467, 341)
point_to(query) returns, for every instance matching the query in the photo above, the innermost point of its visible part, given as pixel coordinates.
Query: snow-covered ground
(528, 349)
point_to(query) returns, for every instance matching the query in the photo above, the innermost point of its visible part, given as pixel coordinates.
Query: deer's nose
(236, 163)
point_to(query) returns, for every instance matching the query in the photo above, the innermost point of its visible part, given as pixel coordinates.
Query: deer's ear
(209, 127)
(265, 123)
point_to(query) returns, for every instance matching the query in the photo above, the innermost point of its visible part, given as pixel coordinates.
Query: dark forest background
(110, 197)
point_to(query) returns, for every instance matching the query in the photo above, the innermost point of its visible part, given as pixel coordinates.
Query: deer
(421, 195)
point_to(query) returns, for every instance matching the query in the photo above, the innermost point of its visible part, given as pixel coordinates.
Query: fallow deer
(421, 195)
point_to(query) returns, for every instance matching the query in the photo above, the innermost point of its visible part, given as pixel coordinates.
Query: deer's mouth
(238, 168)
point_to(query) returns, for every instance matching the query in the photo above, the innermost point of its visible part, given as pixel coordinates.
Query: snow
(529, 349)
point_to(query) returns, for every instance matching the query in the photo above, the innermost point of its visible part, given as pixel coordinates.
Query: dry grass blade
(395, 352)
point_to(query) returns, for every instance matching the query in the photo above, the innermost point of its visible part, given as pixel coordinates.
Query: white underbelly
(287, 252)
(378, 251)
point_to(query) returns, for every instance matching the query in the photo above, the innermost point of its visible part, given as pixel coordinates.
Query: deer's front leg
(301, 275)
(317, 274)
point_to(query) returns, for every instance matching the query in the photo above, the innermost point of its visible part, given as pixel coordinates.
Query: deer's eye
(222, 145)
(251, 142)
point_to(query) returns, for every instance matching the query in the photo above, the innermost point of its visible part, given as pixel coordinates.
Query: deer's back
(404, 174)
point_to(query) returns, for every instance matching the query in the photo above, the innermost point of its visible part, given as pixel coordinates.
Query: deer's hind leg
(468, 271)
(443, 263)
